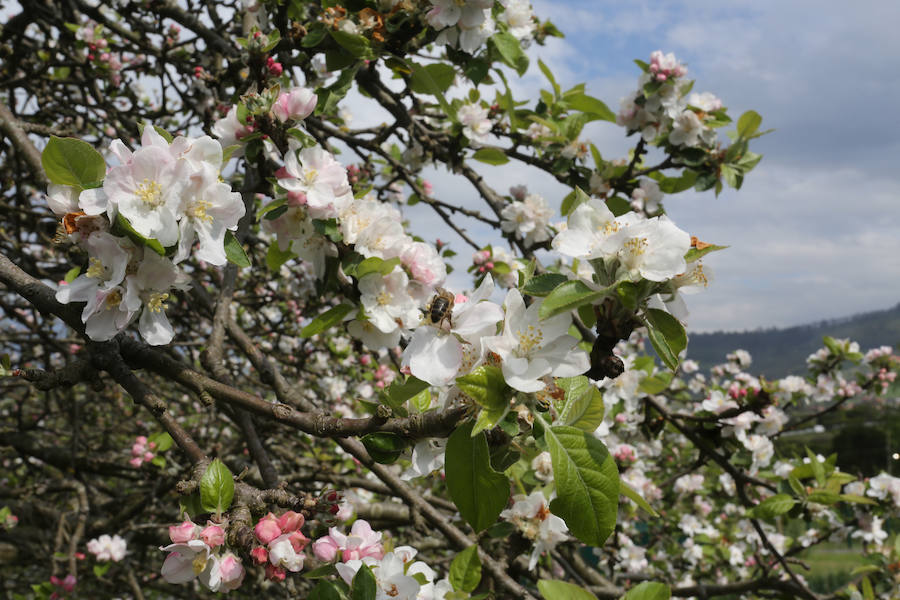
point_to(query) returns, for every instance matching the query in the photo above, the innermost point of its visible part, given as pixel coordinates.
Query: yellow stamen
(150, 193)
(529, 339)
(156, 303)
(197, 210)
(95, 268)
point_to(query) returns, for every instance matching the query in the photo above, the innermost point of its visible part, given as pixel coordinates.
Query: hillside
(779, 352)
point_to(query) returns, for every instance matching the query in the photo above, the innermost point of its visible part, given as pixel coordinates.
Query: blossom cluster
(167, 193)
(108, 548)
(141, 451)
(196, 553)
(661, 105)
(468, 24)
(531, 515)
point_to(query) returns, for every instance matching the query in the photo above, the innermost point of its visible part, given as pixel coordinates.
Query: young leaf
(511, 51)
(748, 123)
(573, 201)
(627, 491)
(68, 161)
(587, 482)
(667, 336)
(433, 79)
(326, 320)
(561, 590)
(491, 156)
(364, 586)
(773, 506)
(384, 447)
(584, 404)
(275, 257)
(216, 487)
(465, 570)
(649, 590)
(479, 492)
(234, 251)
(544, 283)
(569, 296)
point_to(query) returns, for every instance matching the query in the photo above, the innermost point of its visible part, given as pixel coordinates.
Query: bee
(440, 308)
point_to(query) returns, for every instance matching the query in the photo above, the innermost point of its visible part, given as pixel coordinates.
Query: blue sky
(815, 231)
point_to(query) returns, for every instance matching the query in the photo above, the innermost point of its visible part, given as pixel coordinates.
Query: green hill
(779, 352)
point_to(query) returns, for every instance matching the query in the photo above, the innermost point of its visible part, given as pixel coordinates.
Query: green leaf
(629, 492)
(674, 185)
(401, 391)
(748, 123)
(823, 497)
(583, 407)
(594, 107)
(373, 264)
(552, 589)
(479, 492)
(695, 254)
(326, 570)
(486, 386)
(330, 96)
(465, 570)
(656, 383)
(573, 201)
(100, 570)
(491, 156)
(71, 274)
(544, 283)
(327, 319)
(587, 483)
(324, 590)
(649, 590)
(275, 257)
(364, 586)
(234, 251)
(216, 487)
(773, 506)
(123, 227)
(818, 469)
(68, 161)
(569, 296)
(511, 51)
(433, 79)
(190, 505)
(667, 336)
(429, 85)
(355, 44)
(384, 447)
(856, 499)
(162, 440)
(549, 75)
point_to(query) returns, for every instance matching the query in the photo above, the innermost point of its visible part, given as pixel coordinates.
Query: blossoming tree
(204, 261)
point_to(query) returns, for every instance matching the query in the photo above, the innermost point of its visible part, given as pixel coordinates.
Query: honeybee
(440, 308)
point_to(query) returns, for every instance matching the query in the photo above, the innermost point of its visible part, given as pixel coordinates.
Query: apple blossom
(107, 548)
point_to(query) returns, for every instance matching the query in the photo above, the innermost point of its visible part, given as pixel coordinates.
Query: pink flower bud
(282, 173)
(182, 534)
(325, 548)
(213, 535)
(259, 555)
(275, 69)
(275, 573)
(267, 529)
(296, 198)
(365, 359)
(148, 456)
(290, 521)
(136, 462)
(489, 265)
(296, 104)
(298, 540)
(231, 571)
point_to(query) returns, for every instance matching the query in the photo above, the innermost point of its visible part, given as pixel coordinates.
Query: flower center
(113, 299)
(529, 339)
(309, 176)
(698, 276)
(199, 564)
(635, 246)
(95, 268)
(156, 303)
(197, 210)
(383, 298)
(150, 193)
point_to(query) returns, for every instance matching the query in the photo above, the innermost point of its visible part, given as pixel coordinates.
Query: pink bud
(275, 573)
(136, 462)
(489, 265)
(296, 104)
(141, 439)
(213, 535)
(325, 549)
(282, 173)
(298, 540)
(296, 198)
(148, 456)
(290, 521)
(365, 359)
(231, 571)
(267, 529)
(259, 555)
(275, 69)
(181, 534)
